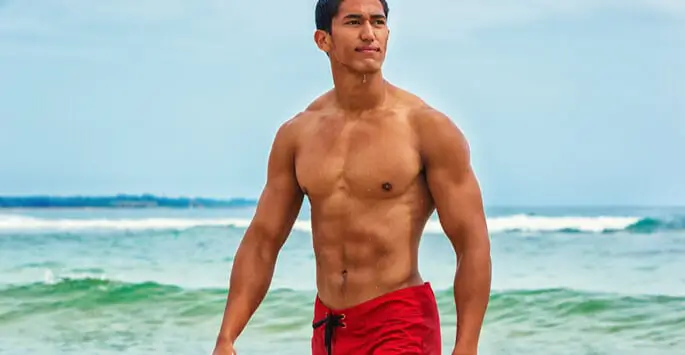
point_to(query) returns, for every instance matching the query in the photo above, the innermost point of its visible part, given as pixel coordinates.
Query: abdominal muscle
(366, 249)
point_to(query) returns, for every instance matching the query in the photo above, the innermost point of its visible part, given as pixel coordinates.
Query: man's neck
(359, 92)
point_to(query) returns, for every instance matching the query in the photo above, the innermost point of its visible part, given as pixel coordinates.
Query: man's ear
(322, 40)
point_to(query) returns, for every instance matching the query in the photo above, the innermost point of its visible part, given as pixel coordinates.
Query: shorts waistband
(421, 290)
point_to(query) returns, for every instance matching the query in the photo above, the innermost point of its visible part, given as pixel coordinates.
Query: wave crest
(86, 293)
(513, 223)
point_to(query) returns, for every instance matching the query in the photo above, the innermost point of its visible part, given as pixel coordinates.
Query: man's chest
(366, 160)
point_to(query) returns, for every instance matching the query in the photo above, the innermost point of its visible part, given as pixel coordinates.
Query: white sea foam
(495, 224)
(547, 224)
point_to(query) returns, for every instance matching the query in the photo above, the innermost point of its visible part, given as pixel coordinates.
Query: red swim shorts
(405, 321)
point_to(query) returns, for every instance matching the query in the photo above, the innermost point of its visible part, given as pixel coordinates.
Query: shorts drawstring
(331, 321)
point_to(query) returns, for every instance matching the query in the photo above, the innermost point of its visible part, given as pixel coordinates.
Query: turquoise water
(565, 281)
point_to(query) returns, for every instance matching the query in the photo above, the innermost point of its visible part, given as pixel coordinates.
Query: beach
(140, 281)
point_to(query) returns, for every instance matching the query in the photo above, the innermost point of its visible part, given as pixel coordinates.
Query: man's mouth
(367, 49)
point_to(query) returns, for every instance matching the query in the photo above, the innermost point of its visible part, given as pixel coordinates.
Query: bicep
(454, 187)
(281, 199)
(458, 202)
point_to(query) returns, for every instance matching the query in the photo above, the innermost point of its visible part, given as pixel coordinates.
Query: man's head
(354, 33)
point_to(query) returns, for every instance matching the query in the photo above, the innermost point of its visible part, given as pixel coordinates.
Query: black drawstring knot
(331, 321)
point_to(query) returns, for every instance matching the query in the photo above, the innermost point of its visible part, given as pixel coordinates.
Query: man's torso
(363, 175)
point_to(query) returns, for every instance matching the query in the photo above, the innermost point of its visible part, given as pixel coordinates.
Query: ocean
(154, 281)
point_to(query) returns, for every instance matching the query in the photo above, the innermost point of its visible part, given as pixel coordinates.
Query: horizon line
(255, 200)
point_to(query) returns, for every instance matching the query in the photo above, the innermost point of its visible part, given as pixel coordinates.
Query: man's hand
(224, 349)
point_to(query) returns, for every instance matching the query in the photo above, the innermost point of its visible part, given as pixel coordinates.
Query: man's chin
(368, 68)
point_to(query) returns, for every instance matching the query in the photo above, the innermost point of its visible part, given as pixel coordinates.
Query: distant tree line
(120, 201)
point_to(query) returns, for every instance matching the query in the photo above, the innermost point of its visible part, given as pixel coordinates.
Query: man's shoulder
(298, 123)
(427, 120)
(321, 103)
(313, 110)
(432, 127)
(419, 112)
(427, 117)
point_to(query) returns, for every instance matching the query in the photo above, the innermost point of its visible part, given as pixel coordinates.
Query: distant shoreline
(145, 201)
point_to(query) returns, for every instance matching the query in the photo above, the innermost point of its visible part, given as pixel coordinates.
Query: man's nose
(367, 33)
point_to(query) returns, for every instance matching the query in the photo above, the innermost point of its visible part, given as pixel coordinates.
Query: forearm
(472, 283)
(251, 276)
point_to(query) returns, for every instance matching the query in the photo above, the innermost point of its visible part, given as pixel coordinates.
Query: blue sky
(564, 102)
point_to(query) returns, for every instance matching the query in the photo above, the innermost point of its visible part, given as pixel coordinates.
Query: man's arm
(255, 259)
(457, 196)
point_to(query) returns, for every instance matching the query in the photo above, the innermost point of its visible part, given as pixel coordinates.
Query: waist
(343, 290)
(416, 296)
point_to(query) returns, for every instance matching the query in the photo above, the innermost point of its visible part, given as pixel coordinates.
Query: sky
(563, 102)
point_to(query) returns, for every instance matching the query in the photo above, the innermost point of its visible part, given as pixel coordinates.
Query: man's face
(359, 36)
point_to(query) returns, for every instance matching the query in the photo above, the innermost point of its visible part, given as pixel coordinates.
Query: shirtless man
(374, 162)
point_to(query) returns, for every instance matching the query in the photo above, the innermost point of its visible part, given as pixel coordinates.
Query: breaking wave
(512, 223)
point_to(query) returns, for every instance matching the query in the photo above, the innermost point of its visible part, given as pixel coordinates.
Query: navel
(344, 282)
(387, 186)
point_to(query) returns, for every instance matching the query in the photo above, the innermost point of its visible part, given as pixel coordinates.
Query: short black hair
(326, 10)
